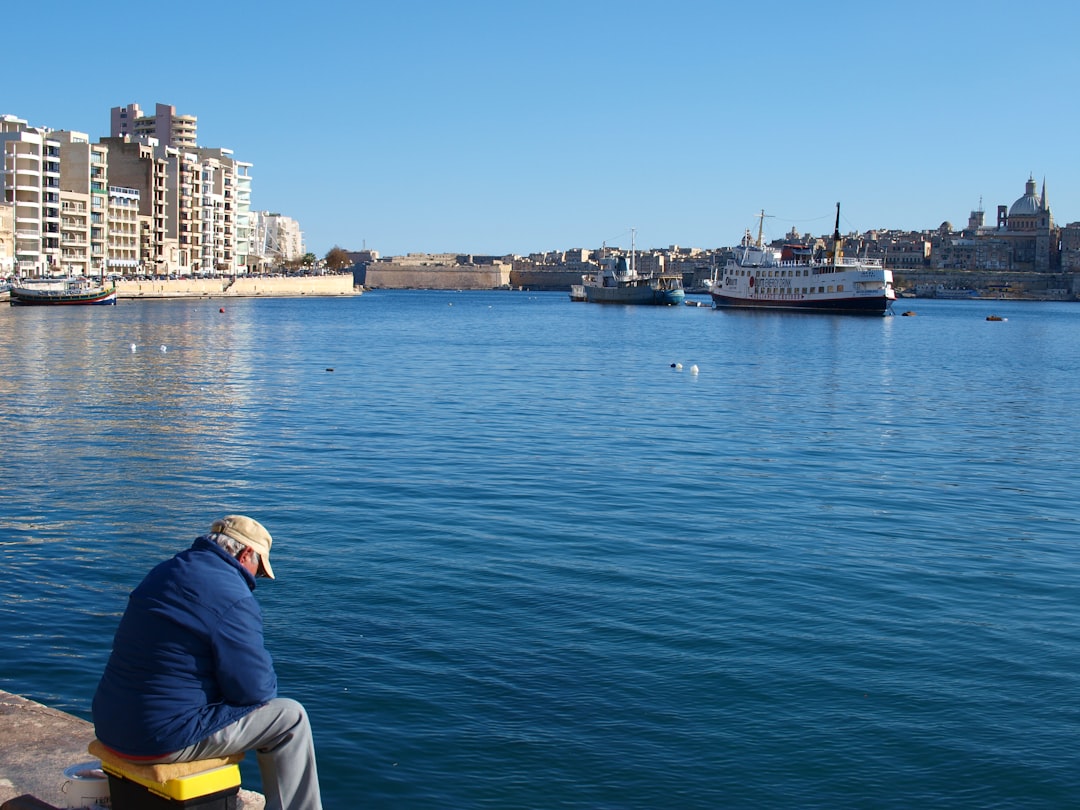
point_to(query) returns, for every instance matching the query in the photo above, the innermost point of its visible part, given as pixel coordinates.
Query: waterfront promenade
(39, 743)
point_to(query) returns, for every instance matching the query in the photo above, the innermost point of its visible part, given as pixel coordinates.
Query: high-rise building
(124, 225)
(165, 125)
(84, 171)
(218, 211)
(275, 239)
(143, 166)
(31, 182)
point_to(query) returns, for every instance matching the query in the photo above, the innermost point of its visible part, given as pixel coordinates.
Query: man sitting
(189, 676)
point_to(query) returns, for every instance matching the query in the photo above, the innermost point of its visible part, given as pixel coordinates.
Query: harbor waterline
(523, 561)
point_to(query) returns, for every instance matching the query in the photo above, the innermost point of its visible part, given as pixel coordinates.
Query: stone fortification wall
(243, 287)
(394, 276)
(545, 279)
(991, 284)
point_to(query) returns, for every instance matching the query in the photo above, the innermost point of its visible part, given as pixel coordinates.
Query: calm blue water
(524, 563)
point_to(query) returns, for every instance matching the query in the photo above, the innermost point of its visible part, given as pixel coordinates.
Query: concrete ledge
(38, 743)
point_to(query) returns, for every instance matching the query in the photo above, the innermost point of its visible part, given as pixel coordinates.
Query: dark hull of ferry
(878, 305)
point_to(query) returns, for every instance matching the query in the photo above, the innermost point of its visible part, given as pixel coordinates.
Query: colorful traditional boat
(758, 277)
(65, 292)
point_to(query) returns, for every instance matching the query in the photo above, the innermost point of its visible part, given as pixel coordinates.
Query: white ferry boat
(757, 277)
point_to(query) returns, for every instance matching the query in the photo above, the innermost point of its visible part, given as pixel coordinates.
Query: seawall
(242, 287)
(395, 276)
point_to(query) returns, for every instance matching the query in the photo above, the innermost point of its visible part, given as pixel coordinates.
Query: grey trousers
(281, 736)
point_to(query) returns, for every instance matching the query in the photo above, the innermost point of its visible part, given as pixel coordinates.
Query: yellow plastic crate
(180, 788)
(179, 781)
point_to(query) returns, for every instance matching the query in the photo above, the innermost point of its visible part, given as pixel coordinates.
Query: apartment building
(7, 239)
(217, 211)
(243, 214)
(144, 167)
(84, 169)
(31, 182)
(275, 239)
(165, 125)
(188, 207)
(124, 229)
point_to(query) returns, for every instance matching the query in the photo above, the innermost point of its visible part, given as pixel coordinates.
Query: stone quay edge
(38, 743)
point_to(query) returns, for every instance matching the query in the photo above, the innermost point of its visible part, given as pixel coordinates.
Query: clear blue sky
(497, 127)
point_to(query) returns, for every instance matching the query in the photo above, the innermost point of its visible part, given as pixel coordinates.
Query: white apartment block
(275, 239)
(243, 214)
(124, 226)
(218, 211)
(31, 182)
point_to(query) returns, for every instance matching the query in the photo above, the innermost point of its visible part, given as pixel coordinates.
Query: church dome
(1029, 205)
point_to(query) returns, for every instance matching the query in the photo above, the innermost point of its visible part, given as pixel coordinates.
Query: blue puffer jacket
(188, 658)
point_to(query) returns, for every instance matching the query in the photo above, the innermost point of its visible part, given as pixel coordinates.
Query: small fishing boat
(618, 281)
(62, 292)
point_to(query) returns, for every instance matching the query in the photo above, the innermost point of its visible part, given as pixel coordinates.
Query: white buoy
(677, 366)
(693, 369)
(164, 348)
(133, 347)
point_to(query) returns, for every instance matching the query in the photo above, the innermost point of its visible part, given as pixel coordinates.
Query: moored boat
(758, 277)
(618, 281)
(941, 291)
(66, 292)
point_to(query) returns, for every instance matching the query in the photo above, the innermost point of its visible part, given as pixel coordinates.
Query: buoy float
(133, 347)
(222, 309)
(677, 366)
(693, 369)
(164, 348)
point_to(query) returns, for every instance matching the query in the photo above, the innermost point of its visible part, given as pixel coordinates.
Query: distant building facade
(145, 199)
(274, 239)
(1023, 238)
(1027, 226)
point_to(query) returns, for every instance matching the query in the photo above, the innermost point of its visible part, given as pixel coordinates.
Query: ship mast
(760, 228)
(838, 243)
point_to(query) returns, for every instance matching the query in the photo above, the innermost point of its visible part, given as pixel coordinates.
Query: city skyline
(478, 128)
